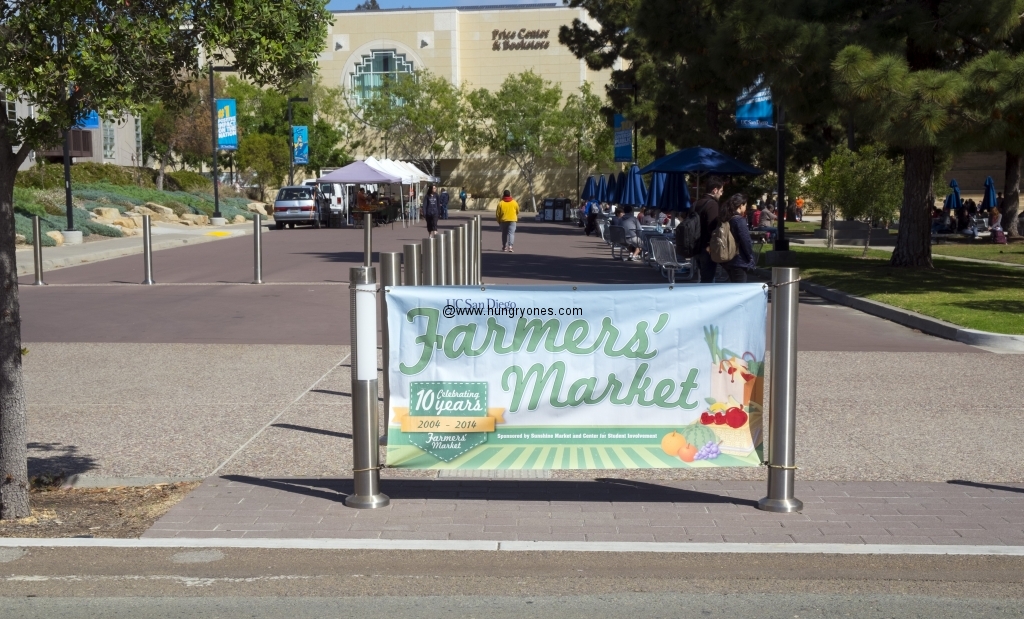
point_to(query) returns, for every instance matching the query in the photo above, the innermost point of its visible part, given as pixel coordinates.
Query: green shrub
(186, 180)
(51, 175)
(25, 202)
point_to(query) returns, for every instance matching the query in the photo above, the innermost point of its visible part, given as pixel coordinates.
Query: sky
(343, 5)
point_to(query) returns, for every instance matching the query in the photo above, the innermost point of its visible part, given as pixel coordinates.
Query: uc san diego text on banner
(586, 377)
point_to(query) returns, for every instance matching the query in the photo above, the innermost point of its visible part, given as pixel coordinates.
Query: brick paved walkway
(602, 511)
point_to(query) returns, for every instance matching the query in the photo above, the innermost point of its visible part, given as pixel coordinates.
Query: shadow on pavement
(974, 484)
(288, 426)
(57, 459)
(599, 490)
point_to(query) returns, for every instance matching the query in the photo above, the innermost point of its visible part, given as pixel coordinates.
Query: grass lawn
(977, 296)
(802, 227)
(983, 250)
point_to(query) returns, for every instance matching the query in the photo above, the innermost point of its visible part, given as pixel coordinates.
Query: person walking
(707, 209)
(462, 196)
(734, 215)
(507, 215)
(443, 202)
(431, 210)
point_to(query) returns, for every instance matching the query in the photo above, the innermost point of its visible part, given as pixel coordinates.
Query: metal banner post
(365, 414)
(147, 251)
(442, 259)
(413, 276)
(471, 253)
(448, 238)
(257, 249)
(458, 257)
(430, 251)
(782, 404)
(390, 275)
(37, 250)
(367, 239)
(479, 251)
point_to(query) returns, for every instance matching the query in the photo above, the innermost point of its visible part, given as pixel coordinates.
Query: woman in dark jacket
(734, 211)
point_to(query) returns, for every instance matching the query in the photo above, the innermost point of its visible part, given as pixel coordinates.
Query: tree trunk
(1011, 194)
(830, 234)
(914, 240)
(867, 242)
(160, 173)
(711, 113)
(659, 148)
(533, 199)
(826, 218)
(13, 421)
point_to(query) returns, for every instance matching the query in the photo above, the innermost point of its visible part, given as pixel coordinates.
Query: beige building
(475, 46)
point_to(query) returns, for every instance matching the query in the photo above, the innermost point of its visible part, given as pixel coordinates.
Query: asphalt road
(230, 583)
(204, 294)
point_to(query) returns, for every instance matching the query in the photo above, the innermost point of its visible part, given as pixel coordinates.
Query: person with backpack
(462, 197)
(431, 209)
(730, 243)
(707, 210)
(507, 215)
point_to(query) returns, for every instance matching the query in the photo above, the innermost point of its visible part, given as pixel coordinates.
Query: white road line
(283, 411)
(489, 546)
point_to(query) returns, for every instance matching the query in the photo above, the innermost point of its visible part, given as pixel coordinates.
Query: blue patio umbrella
(612, 193)
(989, 201)
(654, 199)
(620, 184)
(634, 193)
(676, 195)
(601, 193)
(700, 160)
(953, 199)
(589, 189)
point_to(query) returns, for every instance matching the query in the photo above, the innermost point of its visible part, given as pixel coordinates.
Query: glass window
(375, 66)
(109, 140)
(295, 193)
(9, 106)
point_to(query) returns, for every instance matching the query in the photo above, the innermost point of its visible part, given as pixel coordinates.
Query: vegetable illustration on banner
(638, 384)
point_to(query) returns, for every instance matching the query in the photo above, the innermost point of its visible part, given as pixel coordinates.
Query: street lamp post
(213, 132)
(291, 139)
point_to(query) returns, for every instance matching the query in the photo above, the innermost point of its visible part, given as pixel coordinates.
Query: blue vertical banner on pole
(300, 145)
(623, 139)
(227, 124)
(89, 121)
(754, 108)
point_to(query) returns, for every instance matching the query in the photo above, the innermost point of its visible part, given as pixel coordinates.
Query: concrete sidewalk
(602, 510)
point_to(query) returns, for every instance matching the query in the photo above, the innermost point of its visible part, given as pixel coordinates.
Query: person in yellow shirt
(507, 214)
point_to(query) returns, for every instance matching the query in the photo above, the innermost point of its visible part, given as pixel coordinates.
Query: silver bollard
(464, 250)
(782, 407)
(147, 251)
(430, 250)
(365, 414)
(37, 250)
(443, 257)
(471, 254)
(449, 249)
(458, 258)
(390, 275)
(257, 249)
(367, 239)
(413, 276)
(479, 251)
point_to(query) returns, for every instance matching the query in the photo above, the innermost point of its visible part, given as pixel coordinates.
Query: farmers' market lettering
(461, 339)
(584, 390)
(473, 340)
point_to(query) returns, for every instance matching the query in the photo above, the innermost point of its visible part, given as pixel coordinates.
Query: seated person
(633, 233)
(964, 222)
(647, 217)
(617, 218)
(763, 220)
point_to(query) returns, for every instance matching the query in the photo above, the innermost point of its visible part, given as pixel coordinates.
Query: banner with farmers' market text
(576, 377)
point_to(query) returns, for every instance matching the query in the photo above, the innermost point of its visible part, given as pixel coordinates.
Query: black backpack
(688, 235)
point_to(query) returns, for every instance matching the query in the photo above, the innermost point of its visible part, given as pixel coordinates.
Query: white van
(336, 196)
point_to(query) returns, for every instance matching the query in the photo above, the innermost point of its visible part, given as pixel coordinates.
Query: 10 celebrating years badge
(447, 419)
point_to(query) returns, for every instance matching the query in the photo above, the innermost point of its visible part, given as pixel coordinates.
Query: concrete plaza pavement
(205, 376)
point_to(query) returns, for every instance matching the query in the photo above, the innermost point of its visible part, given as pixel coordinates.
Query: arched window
(370, 73)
